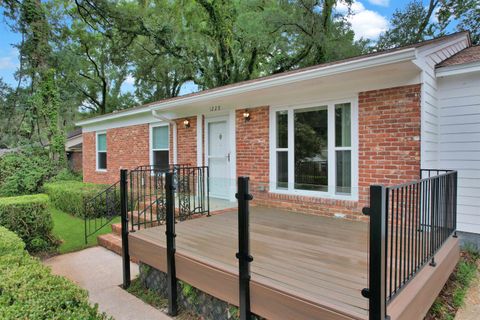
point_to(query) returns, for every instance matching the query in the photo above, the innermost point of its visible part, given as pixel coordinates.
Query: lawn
(71, 231)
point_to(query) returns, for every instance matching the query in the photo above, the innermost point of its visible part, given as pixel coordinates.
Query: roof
(467, 55)
(74, 133)
(278, 75)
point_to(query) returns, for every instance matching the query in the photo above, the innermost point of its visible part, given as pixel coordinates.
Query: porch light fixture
(246, 115)
(186, 123)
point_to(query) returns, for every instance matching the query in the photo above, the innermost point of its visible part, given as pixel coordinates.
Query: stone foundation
(189, 298)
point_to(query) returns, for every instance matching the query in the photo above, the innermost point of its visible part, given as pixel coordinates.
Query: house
(376, 118)
(73, 148)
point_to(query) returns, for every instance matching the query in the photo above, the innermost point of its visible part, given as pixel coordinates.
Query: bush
(66, 175)
(29, 290)
(68, 196)
(28, 216)
(24, 172)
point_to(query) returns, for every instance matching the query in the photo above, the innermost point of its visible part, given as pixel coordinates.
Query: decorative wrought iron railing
(409, 223)
(146, 197)
(100, 210)
(146, 194)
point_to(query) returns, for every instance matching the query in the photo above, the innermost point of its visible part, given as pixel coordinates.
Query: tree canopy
(78, 56)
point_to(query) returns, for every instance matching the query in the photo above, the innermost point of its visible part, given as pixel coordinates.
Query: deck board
(320, 260)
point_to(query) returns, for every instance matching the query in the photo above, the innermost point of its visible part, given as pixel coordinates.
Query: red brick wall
(187, 141)
(127, 148)
(75, 161)
(252, 145)
(389, 137)
(389, 151)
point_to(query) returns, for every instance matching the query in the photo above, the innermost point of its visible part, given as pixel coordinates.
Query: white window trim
(155, 125)
(331, 148)
(96, 150)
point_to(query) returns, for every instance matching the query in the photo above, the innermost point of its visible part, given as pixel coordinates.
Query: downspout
(173, 124)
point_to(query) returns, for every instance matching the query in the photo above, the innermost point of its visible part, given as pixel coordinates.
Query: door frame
(232, 164)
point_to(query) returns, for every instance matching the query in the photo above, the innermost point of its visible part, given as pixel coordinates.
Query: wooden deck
(305, 267)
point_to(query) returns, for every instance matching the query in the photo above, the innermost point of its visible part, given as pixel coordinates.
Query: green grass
(71, 231)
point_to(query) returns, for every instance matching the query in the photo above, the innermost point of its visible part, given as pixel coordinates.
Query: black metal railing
(100, 210)
(409, 223)
(146, 195)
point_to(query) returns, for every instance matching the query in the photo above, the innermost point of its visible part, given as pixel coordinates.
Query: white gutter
(347, 66)
(458, 69)
(114, 115)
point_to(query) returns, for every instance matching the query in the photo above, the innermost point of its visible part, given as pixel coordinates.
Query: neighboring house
(314, 139)
(73, 148)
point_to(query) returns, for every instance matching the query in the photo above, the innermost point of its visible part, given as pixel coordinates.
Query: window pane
(311, 149)
(102, 160)
(160, 137)
(282, 169)
(342, 125)
(282, 129)
(344, 172)
(160, 159)
(102, 142)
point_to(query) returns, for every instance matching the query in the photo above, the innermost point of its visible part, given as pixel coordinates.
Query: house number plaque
(215, 108)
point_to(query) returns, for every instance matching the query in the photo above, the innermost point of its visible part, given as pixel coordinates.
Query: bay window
(312, 149)
(159, 146)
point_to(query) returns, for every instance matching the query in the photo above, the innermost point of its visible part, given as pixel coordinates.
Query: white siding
(428, 57)
(459, 142)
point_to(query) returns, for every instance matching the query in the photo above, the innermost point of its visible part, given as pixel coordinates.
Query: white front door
(218, 155)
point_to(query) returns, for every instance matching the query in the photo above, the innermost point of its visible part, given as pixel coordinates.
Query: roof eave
(458, 69)
(342, 67)
(368, 62)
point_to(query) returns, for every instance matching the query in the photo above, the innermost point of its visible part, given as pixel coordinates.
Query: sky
(369, 19)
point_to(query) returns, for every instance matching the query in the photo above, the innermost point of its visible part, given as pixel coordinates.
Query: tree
(416, 23)
(466, 13)
(410, 25)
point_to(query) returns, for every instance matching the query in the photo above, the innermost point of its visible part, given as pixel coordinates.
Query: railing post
(243, 255)
(376, 293)
(170, 233)
(124, 219)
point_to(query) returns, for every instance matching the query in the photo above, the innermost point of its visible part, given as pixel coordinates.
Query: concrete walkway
(471, 306)
(99, 271)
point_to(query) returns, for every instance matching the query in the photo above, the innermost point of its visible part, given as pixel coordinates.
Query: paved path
(471, 307)
(100, 272)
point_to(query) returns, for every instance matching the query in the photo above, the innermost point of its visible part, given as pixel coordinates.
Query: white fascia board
(435, 47)
(369, 62)
(113, 116)
(458, 69)
(348, 66)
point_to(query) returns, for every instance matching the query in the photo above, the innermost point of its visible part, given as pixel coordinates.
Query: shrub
(68, 196)
(66, 175)
(28, 216)
(24, 172)
(29, 290)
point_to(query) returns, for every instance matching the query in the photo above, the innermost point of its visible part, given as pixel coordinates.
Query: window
(312, 149)
(101, 151)
(343, 148)
(160, 140)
